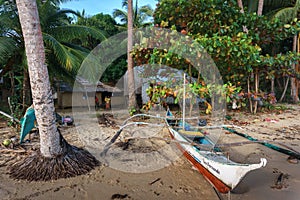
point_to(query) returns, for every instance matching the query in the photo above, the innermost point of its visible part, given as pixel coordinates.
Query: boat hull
(221, 172)
(219, 185)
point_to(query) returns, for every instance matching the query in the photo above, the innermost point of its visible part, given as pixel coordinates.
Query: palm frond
(117, 13)
(70, 32)
(9, 19)
(7, 47)
(61, 16)
(55, 2)
(62, 53)
(146, 10)
(286, 15)
(125, 4)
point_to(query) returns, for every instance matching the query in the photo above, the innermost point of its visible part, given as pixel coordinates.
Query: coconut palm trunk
(39, 79)
(57, 158)
(131, 86)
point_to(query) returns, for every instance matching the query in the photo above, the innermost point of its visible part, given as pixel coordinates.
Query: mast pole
(183, 110)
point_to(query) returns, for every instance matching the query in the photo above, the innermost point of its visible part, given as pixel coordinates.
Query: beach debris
(293, 160)
(280, 181)
(271, 120)
(119, 196)
(158, 179)
(228, 117)
(13, 151)
(67, 120)
(240, 123)
(202, 122)
(106, 120)
(6, 142)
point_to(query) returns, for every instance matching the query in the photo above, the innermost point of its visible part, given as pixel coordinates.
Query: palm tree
(134, 18)
(130, 63)
(63, 56)
(140, 14)
(57, 158)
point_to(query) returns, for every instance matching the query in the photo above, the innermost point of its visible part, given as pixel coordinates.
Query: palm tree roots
(35, 167)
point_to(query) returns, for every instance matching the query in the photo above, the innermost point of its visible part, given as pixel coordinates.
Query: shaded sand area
(154, 169)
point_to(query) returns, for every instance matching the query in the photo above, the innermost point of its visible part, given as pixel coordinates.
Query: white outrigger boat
(216, 167)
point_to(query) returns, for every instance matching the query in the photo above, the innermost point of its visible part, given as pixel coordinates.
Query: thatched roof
(83, 85)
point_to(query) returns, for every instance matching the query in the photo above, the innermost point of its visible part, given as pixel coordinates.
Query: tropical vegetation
(64, 55)
(250, 60)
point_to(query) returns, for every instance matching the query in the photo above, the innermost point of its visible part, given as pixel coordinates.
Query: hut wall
(65, 99)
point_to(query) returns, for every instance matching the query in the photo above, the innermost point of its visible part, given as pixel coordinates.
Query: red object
(184, 32)
(218, 184)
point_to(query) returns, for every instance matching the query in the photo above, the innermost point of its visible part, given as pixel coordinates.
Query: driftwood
(13, 151)
(106, 120)
(280, 181)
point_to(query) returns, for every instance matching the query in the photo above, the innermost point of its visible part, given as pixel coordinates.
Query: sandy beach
(128, 175)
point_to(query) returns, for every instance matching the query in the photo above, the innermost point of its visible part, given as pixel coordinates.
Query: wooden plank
(191, 133)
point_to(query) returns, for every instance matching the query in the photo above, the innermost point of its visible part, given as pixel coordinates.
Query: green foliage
(218, 27)
(132, 111)
(101, 22)
(115, 71)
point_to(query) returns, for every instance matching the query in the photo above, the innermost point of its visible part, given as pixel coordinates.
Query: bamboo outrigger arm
(9, 116)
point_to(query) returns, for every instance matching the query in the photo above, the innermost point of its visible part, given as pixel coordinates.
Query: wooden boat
(216, 167)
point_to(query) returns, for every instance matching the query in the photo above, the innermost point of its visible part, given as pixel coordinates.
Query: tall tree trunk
(240, 4)
(131, 86)
(56, 159)
(249, 94)
(285, 88)
(294, 81)
(273, 76)
(260, 7)
(259, 13)
(39, 78)
(256, 90)
(272, 85)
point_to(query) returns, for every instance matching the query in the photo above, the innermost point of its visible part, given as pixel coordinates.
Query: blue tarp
(27, 123)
